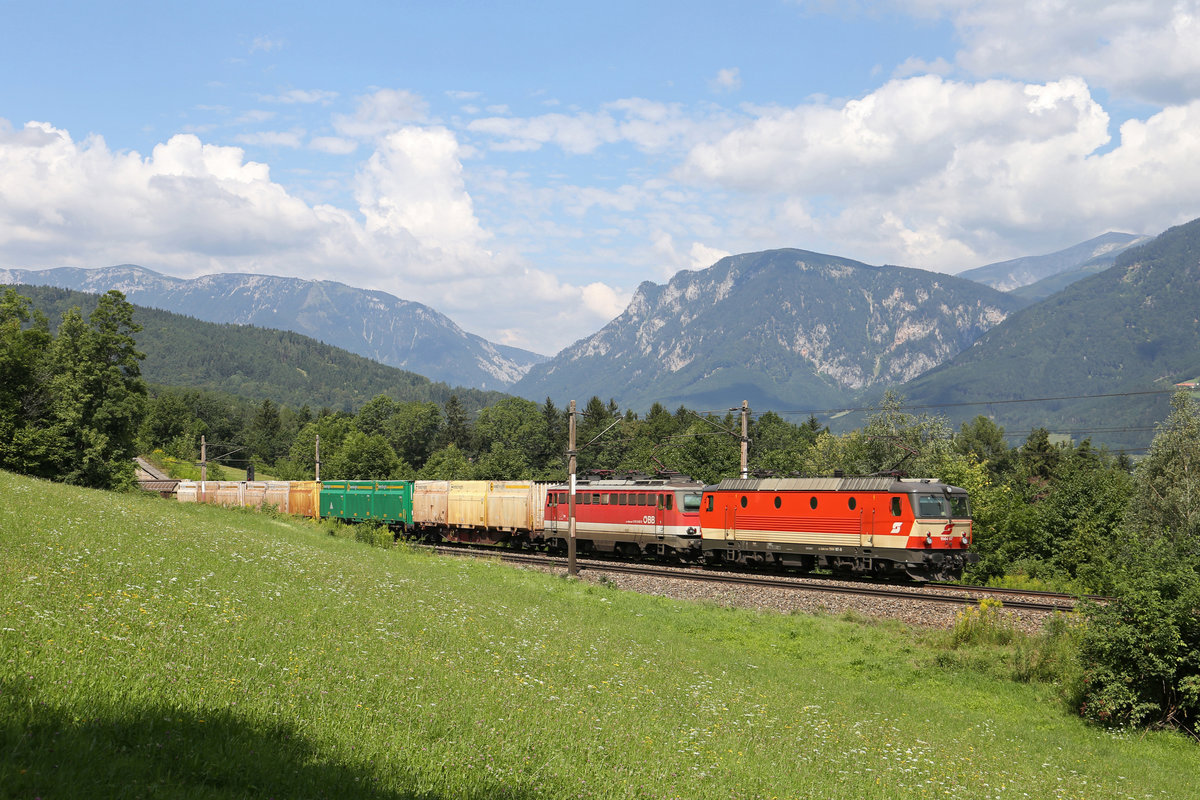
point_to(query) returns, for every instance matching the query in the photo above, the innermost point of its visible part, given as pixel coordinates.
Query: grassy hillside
(151, 649)
(260, 363)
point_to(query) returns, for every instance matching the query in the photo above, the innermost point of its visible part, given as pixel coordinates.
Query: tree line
(1060, 515)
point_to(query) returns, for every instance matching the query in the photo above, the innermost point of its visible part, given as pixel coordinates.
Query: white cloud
(191, 208)
(727, 80)
(413, 182)
(379, 113)
(580, 133)
(1145, 50)
(334, 145)
(952, 171)
(703, 256)
(303, 96)
(292, 139)
(265, 44)
(649, 125)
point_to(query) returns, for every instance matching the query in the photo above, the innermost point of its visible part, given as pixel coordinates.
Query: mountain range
(1130, 332)
(259, 363)
(377, 325)
(1034, 278)
(792, 329)
(779, 328)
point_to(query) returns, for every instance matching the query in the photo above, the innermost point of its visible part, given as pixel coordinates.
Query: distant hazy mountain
(1034, 278)
(781, 328)
(373, 324)
(1131, 329)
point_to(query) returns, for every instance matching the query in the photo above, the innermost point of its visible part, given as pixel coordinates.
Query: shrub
(1140, 655)
(374, 534)
(982, 624)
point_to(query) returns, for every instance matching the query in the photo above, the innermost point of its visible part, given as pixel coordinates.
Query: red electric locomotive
(630, 516)
(875, 525)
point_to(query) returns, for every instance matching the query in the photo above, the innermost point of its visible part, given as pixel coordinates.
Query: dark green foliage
(457, 429)
(260, 363)
(365, 457)
(1053, 516)
(984, 439)
(71, 404)
(447, 464)
(1142, 653)
(265, 434)
(1166, 502)
(777, 446)
(1131, 328)
(27, 442)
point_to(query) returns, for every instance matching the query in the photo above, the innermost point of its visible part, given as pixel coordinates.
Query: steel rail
(795, 584)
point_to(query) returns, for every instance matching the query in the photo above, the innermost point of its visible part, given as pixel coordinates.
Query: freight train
(880, 526)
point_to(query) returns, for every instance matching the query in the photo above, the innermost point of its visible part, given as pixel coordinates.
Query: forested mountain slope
(260, 363)
(374, 324)
(1133, 328)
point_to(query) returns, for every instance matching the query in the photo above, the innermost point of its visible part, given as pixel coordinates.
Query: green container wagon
(389, 502)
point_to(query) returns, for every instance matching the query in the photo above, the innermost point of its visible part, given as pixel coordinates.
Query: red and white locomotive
(873, 525)
(631, 516)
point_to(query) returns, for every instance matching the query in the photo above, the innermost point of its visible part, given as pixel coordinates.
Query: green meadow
(153, 649)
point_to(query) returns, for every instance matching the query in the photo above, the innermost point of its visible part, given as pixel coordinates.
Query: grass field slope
(151, 649)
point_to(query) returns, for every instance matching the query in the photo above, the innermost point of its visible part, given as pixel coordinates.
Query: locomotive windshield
(941, 506)
(931, 505)
(691, 501)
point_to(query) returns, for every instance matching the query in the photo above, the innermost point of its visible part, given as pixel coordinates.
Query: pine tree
(456, 430)
(98, 393)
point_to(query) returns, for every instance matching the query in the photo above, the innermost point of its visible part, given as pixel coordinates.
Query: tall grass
(151, 649)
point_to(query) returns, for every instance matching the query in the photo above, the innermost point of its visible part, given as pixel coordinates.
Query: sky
(523, 167)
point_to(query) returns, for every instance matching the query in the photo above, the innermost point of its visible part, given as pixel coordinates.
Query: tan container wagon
(304, 498)
(494, 512)
(430, 503)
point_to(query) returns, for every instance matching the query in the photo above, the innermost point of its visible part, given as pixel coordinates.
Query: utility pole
(745, 439)
(572, 569)
(203, 459)
(318, 457)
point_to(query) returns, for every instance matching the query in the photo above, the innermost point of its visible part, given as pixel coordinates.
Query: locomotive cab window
(691, 502)
(931, 505)
(667, 501)
(959, 507)
(895, 506)
(710, 503)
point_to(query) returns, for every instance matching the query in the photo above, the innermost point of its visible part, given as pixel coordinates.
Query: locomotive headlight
(691, 531)
(966, 537)
(929, 541)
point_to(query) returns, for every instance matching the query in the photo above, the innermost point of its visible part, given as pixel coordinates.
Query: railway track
(1025, 600)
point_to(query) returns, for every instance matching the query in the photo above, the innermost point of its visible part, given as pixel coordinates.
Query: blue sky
(523, 168)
